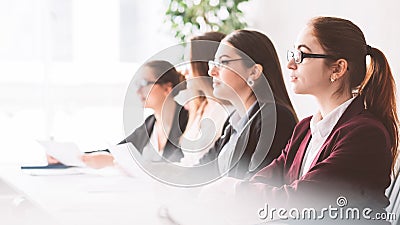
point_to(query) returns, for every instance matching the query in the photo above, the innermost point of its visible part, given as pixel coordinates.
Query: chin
(297, 90)
(146, 105)
(219, 94)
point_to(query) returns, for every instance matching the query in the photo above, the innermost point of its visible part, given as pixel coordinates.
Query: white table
(106, 197)
(111, 199)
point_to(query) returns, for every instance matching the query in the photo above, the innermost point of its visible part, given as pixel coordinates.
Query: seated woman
(156, 138)
(207, 114)
(343, 155)
(247, 73)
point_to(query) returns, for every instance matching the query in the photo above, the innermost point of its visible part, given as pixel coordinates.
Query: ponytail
(379, 92)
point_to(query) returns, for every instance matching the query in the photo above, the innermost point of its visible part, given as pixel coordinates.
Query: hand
(51, 160)
(98, 160)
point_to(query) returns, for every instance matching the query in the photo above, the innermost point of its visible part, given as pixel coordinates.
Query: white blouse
(151, 152)
(238, 124)
(320, 130)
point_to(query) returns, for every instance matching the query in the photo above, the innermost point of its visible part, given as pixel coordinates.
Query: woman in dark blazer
(246, 71)
(155, 84)
(341, 157)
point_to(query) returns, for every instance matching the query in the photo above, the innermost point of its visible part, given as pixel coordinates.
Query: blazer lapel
(242, 144)
(356, 107)
(178, 126)
(294, 172)
(141, 135)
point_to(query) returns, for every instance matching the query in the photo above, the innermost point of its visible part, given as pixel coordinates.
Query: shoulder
(363, 125)
(277, 115)
(362, 136)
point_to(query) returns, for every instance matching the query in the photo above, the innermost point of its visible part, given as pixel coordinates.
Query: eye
(224, 62)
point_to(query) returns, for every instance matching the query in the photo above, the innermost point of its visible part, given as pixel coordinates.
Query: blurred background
(65, 65)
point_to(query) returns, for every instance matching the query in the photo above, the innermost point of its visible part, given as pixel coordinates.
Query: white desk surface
(107, 197)
(111, 199)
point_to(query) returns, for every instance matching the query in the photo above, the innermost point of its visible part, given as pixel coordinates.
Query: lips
(216, 82)
(293, 78)
(142, 98)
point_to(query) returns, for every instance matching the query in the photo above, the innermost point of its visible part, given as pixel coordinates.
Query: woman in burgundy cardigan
(343, 155)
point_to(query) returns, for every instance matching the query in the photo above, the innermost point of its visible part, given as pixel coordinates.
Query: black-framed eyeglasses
(222, 63)
(298, 56)
(144, 83)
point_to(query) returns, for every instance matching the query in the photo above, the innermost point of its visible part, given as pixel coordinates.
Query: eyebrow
(224, 56)
(304, 46)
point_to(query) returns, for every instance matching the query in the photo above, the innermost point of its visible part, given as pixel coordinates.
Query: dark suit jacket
(172, 152)
(354, 162)
(262, 140)
(141, 136)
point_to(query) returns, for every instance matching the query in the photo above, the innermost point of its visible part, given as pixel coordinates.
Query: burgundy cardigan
(354, 162)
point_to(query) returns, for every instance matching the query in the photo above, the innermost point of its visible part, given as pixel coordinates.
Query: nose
(291, 65)
(139, 90)
(213, 71)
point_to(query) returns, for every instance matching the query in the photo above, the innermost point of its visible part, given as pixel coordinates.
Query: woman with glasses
(247, 73)
(342, 156)
(157, 138)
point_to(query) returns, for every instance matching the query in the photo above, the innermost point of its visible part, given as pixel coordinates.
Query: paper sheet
(128, 158)
(67, 153)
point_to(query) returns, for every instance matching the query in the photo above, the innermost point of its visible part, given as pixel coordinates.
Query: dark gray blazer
(259, 144)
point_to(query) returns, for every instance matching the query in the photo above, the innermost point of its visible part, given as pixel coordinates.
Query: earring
(250, 82)
(332, 79)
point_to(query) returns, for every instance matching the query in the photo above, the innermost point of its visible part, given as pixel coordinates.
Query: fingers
(51, 160)
(98, 160)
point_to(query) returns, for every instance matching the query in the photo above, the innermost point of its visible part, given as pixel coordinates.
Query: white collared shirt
(151, 152)
(320, 130)
(237, 123)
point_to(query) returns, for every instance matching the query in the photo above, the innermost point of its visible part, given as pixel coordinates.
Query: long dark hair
(202, 52)
(165, 73)
(260, 49)
(202, 49)
(375, 84)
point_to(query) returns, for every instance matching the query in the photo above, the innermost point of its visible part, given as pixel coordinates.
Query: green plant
(188, 17)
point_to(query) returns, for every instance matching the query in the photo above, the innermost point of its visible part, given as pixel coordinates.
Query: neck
(328, 103)
(163, 112)
(243, 104)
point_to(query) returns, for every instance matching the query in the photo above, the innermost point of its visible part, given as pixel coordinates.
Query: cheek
(157, 93)
(312, 79)
(232, 80)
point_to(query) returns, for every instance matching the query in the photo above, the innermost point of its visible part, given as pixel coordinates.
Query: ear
(256, 71)
(339, 68)
(168, 88)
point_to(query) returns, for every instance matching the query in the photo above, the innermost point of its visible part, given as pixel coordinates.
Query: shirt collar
(322, 127)
(237, 122)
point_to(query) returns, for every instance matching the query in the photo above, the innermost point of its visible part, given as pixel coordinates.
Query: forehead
(226, 49)
(307, 38)
(145, 72)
